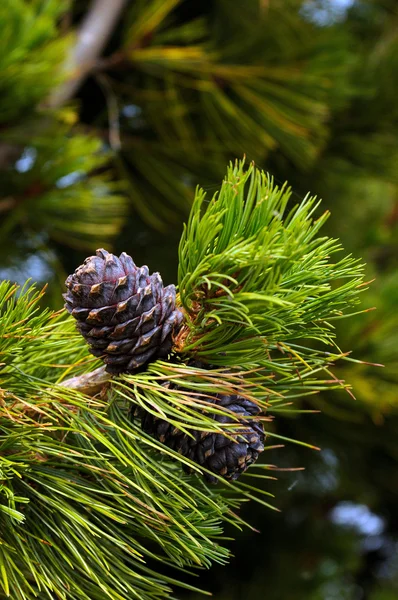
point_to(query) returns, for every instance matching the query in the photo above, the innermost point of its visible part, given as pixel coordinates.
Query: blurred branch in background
(57, 186)
(94, 32)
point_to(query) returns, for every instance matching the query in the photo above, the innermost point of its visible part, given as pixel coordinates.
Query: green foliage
(187, 86)
(84, 497)
(207, 88)
(253, 275)
(56, 185)
(67, 192)
(91, 506)
(30, 54)
(357, 176)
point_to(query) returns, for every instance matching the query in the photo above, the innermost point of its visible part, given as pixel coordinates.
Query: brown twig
(89, 383)
(20, 411)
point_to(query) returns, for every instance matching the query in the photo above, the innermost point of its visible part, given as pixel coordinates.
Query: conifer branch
(259, 291)
(92, 37)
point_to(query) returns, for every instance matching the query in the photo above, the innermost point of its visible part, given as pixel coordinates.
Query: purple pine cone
(126, 315)
(225, 457)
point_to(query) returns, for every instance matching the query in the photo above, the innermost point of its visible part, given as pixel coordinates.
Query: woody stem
(89, 383)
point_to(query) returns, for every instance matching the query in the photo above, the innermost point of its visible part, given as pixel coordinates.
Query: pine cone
(126, 315)
(223, 456)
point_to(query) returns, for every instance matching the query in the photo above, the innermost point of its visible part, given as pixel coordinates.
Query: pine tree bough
(129, 319)
(95, 466)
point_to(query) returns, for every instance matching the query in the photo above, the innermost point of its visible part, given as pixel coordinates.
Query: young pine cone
(221, 455)
(126, 315)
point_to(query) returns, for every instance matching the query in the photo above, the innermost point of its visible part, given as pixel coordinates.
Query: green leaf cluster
(67, 192)
(356, 176)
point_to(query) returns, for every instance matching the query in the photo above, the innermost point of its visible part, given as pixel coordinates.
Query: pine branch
(76, 472)
(92, 37)
(83, 484)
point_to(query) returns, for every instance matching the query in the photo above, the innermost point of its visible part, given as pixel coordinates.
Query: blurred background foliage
(308, 89)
